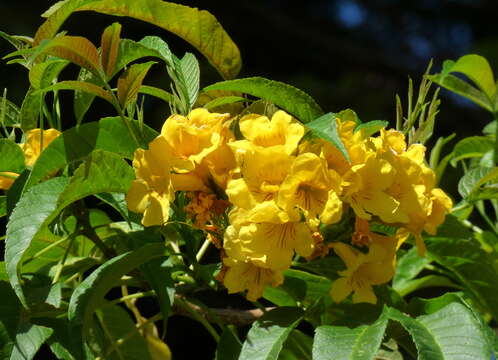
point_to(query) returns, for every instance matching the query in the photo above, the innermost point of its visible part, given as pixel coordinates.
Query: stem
(87, 230)
(129, 297)
(128, 336)
(183, 304)
(63, 261)
(480, 208)
(202, 250)
(45, 249)
(117, 106)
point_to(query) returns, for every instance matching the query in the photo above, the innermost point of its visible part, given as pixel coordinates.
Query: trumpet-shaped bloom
(311, 187)
(191, 138)
(262, 171)
(267, 236)
(36, 141)
(258, 130)
(152, 191)
(363, 270)
(240, 276)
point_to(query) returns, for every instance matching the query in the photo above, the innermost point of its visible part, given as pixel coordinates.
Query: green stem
(129, 297)
(202, 250)
(47, 248)
(482, 212)
(199, 318)
(63, 261)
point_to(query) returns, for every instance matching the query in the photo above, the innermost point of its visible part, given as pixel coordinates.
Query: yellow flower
(7, 179)
(262, 171)
(191, 138)
(258, 130)
(240, 276)
(366, 190)
(267, 236)
(364, 270)
(200, 208)
(36, 142)
(152, 191)
(311, 187)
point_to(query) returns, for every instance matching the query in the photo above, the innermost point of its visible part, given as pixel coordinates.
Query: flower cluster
(282, 187)
(36, 141)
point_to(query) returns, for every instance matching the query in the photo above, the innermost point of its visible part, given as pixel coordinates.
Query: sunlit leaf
(360, 343)
(76, 143)
(224, 100)
(198, 27)
(371, 127)
(285, 96)
(472, 146)
(9, 114)
(325, 127)
(156, 92)
(109, 45)
(42, 74)
(185, 75)
(80, 86)
(479, 183)
(267, 335)
(12, 159)
(129, 83)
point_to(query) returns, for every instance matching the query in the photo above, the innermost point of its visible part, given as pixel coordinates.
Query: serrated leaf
(285, 96)
(129, 83)
(86, 87)
(472, 146)
(29, 339)
(371, 127)
(101, 172)
(185, 74)
(109, 45)
(325, 127)
(156, 92)
(198, 27)
(474, 185)
(9, 115)
(451, 333)
(76, 143)
(76, 49)
(474, 268)
(89, 294)
(267, 335)
(360, 343)
(12, 159)
(35, 209)
(42, 74)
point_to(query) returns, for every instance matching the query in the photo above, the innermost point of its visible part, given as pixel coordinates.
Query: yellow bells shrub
(364, 270)
(282, 129)
(366, 190)
(314, 189)
(7, 179)
(36, 141)
(262, 171)
(240, 276)
(267, 236)
(152, 191)
(191, 138)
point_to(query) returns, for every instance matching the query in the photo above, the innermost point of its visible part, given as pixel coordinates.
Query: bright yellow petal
(341, 288)
(7, 181)
(157, 212)
(364, 294)
(137, 197)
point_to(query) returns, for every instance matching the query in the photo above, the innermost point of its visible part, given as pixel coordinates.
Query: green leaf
(76, 143)
(156, 92)
(298, 346)
(407, 268)
(3, 206)
(474, 268)
(30, 109)
(9, 115)
(109, 45)
(12, 159)
(371, 127)
(472, 146)
(101, 172)
(451, 333)
(84, 99)
(477, 69)
(360, 343)
(129, 83)
(29, 339)
(229, 346)
(325, 127)
(285, 96)
(479, 183)
(42, 74)
(224, 100)
(198, 27)
(299, 286)
(267, 335)
(185, 75)
(116, 324)
(89, 294)
(35, 209)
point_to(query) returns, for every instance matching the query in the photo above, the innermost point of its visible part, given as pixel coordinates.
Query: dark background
(345, 53)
